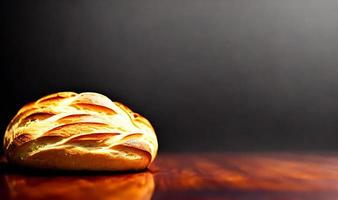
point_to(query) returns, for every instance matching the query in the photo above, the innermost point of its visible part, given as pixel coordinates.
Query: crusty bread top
(88, 121)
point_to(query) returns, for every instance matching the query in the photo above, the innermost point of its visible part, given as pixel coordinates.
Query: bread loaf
(85, 131)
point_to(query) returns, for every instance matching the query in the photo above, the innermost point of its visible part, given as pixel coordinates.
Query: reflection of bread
(85, 131)
(136, 186)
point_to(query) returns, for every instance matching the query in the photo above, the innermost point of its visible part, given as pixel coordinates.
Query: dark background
(210, 75)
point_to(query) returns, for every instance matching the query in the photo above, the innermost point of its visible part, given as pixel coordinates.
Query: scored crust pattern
(67, 130)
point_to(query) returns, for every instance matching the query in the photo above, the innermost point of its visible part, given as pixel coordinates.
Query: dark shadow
(26, 183)
(7, 168)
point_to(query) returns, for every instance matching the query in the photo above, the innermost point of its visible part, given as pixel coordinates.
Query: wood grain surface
(239, 176)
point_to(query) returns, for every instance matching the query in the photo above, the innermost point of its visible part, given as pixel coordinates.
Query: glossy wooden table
(238, 176)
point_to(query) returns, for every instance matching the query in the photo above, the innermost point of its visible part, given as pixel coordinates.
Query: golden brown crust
(73, 159)
(85, 131)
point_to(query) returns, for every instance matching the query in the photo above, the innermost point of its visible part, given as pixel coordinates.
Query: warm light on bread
(85, 131)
